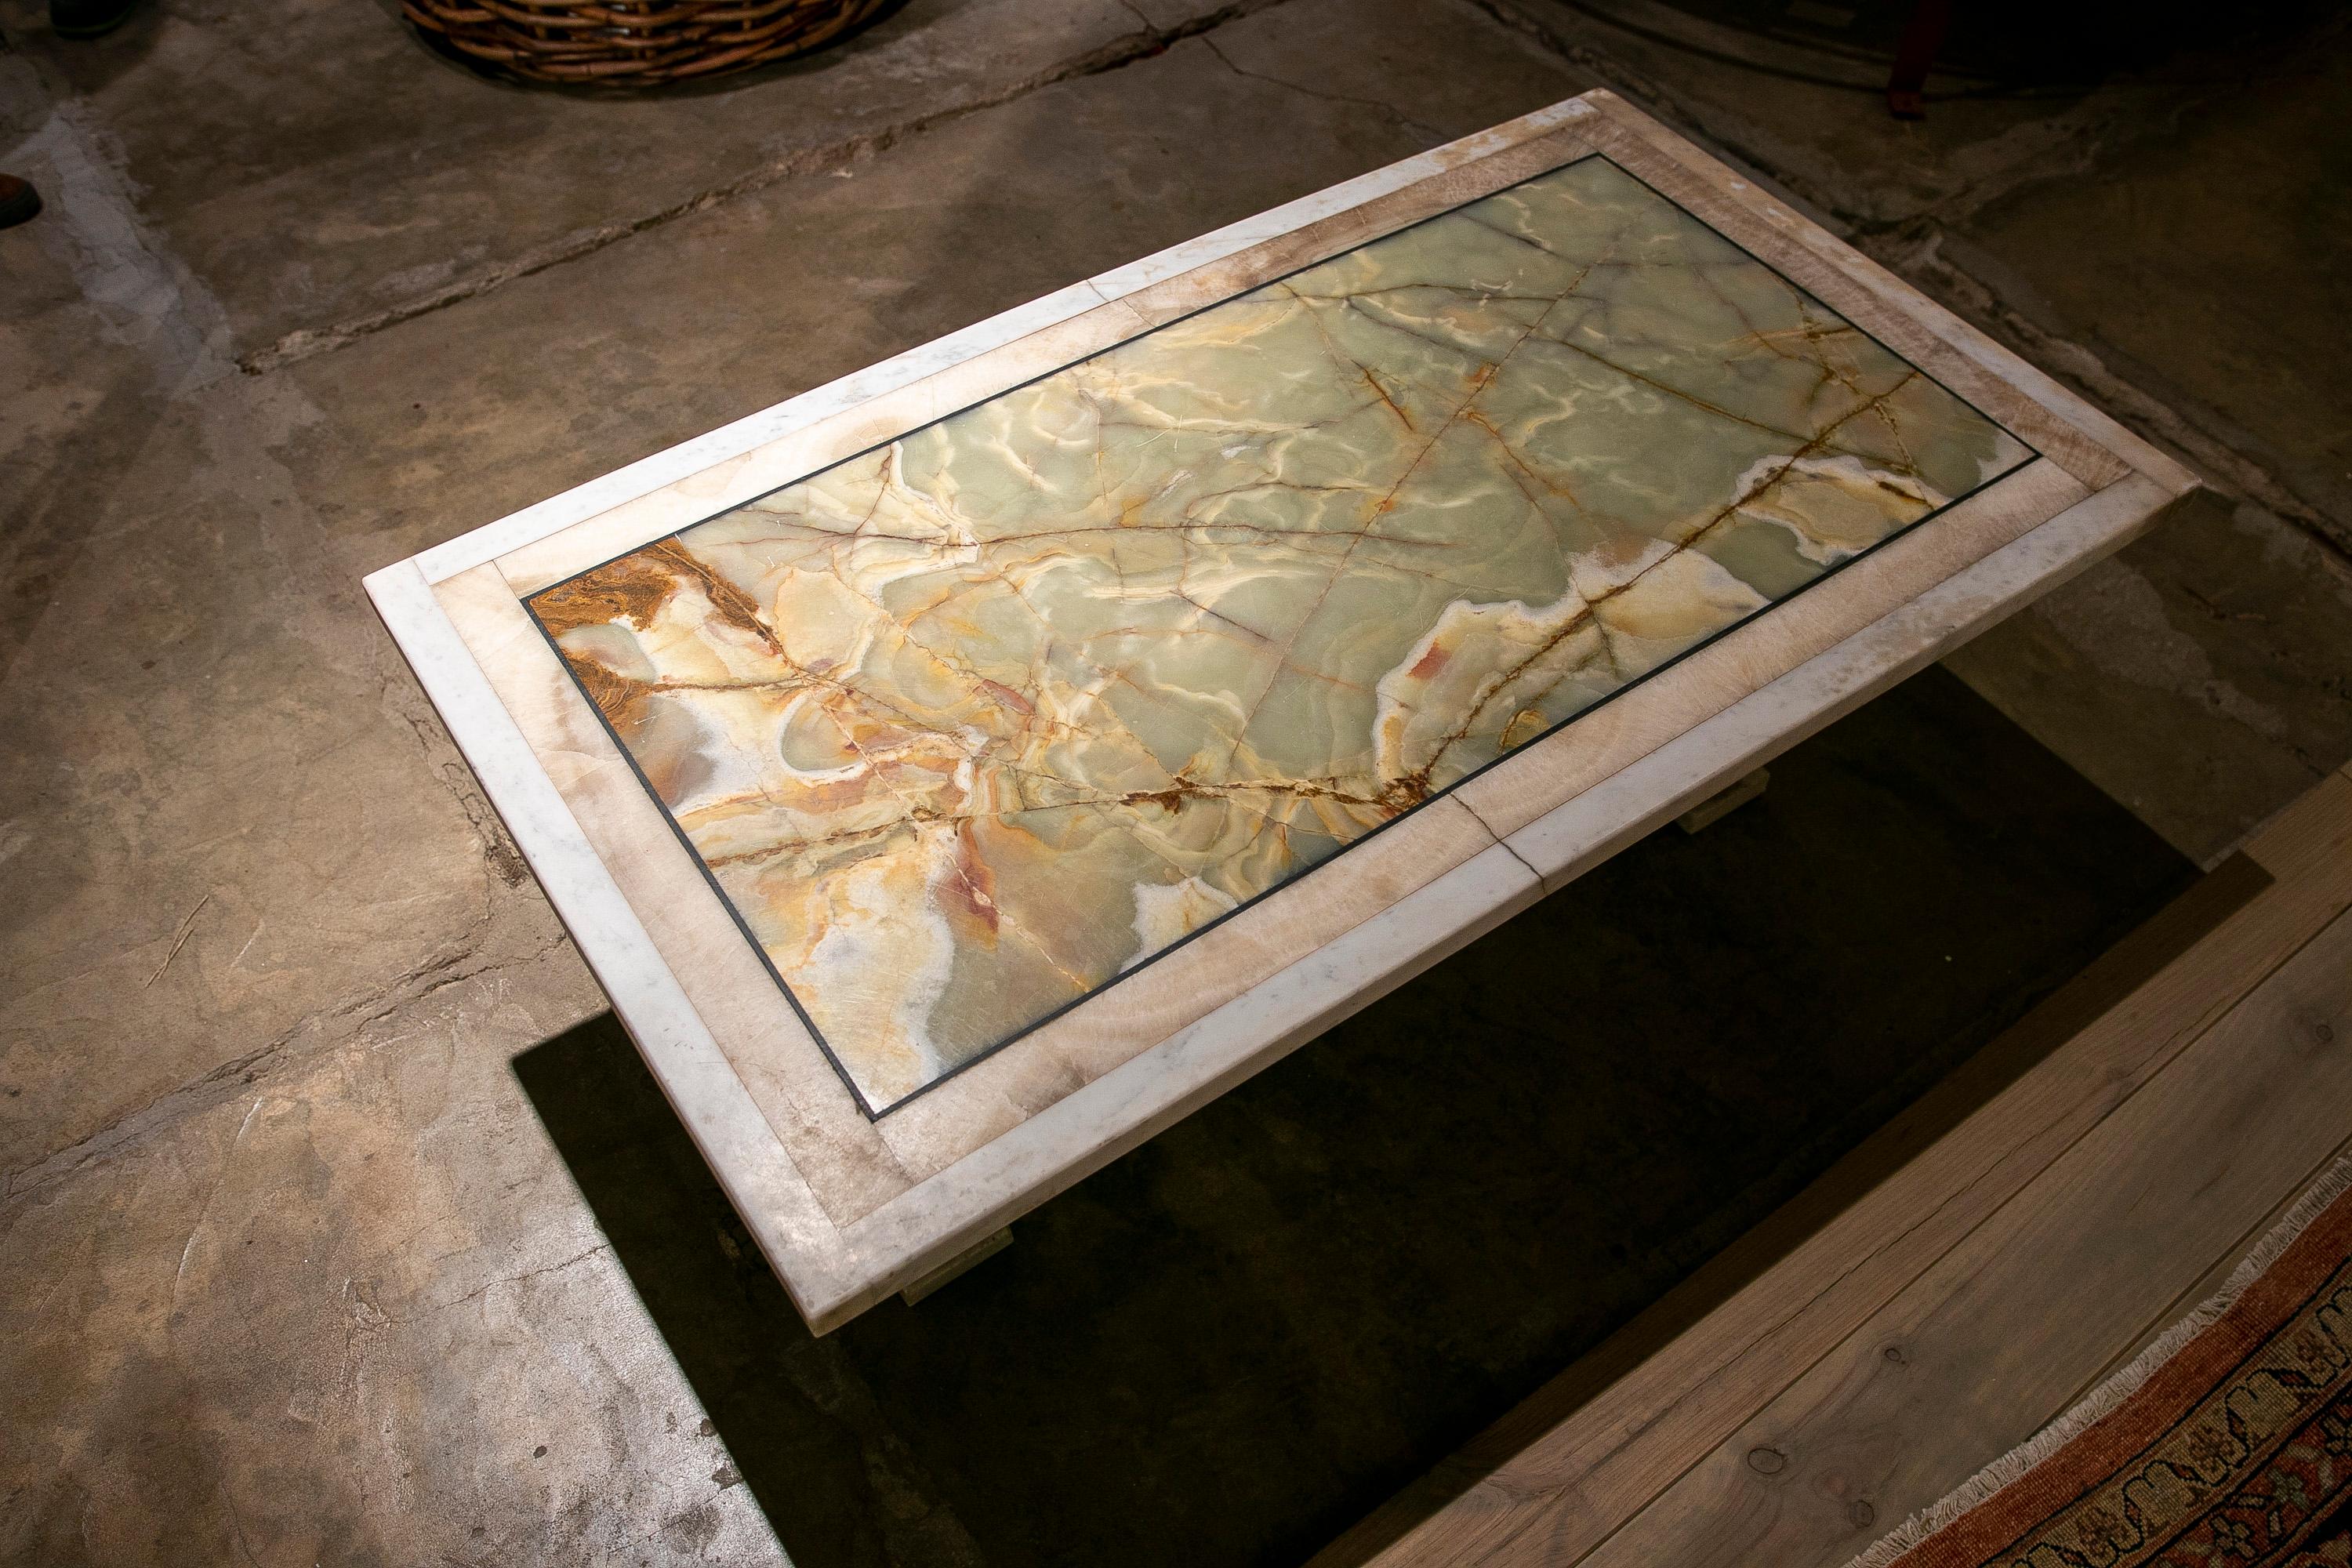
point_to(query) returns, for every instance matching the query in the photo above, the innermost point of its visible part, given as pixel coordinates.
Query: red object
(1906, 94)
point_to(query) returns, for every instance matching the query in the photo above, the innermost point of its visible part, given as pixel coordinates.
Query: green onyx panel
(972, 724)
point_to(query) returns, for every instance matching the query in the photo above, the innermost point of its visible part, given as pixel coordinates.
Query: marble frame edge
(833, 1272)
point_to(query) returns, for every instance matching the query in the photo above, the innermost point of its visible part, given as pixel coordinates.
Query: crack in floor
(222, 1082)
(306, 343)
(1395, 116)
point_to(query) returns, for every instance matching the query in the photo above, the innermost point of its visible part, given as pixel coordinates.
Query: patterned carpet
(2228, 1442)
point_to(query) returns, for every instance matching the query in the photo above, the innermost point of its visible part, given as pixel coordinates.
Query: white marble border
(833, 1273)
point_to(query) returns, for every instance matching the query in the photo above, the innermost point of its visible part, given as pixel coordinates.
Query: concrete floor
(289, 1271)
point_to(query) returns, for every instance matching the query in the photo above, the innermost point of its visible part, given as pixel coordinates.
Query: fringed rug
(2227, 1445)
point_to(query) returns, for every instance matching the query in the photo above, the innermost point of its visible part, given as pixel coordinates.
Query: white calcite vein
(970, 725)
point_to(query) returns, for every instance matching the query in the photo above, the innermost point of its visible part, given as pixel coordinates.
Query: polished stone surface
(968, 726)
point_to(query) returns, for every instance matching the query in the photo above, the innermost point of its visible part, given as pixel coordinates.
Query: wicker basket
(636, 43)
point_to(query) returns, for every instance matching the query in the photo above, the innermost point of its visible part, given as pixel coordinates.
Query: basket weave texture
(636, 42)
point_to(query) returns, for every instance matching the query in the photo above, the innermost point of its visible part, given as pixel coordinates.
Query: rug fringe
(2102, 1401)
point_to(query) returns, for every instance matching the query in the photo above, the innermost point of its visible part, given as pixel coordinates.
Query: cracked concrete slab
(233, 826)
(320, 202)
(289, 1271)
(354, 1314)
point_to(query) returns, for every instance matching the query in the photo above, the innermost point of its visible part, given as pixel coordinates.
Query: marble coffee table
(960, 772)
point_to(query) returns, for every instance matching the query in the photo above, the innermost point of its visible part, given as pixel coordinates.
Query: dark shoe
(88, 18)
(19, 202)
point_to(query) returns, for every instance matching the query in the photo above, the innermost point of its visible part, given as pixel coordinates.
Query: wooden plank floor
(1961, 1279)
